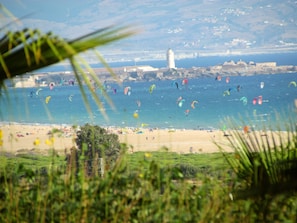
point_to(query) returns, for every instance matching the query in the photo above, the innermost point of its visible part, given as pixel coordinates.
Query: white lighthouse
(170, 59)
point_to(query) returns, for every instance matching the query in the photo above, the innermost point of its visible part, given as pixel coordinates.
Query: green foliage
(148, 192)
(93, 143)
(31, 160)
(188, 170)
(164, 159)
(39, 50)
(191, 165)
(265, 165)
(148, 195)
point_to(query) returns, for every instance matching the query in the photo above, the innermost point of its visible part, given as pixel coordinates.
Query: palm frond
(265, 162)
(29, 50)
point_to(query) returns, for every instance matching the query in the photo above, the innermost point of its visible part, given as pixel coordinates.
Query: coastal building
(144, 68)
(25, 81)
(266, 64)
(170, 59)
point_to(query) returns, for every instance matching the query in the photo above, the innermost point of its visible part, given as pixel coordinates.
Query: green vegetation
(29, 161)
(256, 183)
(213, 161)
(190, 164)
(149, 193)
(94, 144)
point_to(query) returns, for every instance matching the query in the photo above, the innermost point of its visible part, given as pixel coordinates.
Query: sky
(193, 25)
(68, 18)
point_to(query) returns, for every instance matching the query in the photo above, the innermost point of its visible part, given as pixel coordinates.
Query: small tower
(170, 59)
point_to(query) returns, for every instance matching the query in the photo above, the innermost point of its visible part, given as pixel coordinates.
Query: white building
(170, 59)
(23, 82)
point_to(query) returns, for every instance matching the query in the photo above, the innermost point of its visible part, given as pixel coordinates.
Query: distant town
(149, 73)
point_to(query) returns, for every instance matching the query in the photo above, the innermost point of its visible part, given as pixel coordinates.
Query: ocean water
(163, 107)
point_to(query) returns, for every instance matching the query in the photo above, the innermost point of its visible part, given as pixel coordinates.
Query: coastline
(18, 138)
(236, 64)
(24, 138)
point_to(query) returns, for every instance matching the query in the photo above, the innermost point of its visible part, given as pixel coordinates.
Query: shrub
(97, 150)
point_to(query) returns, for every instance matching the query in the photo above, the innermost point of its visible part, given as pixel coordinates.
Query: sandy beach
(19, 138)
(178, 140)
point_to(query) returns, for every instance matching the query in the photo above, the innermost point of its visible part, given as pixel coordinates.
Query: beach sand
(178, 140)
(19, 138)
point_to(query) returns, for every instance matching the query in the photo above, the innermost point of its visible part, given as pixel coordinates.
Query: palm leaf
(30, 49)
(265, 162)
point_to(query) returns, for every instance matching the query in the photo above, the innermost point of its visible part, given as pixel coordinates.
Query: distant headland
(149, 73)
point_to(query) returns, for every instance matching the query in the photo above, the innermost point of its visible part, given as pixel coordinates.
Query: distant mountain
(203, 26)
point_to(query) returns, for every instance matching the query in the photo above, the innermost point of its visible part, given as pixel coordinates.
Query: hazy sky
(74, 18)
(200, 25)
(69, 18)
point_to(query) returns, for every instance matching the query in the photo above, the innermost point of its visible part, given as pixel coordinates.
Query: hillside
(204, 26)
(191, 28)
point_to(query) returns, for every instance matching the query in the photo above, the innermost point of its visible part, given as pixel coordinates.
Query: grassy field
(153, 187)
(211, 161)
(142, 187)
(214, 160)
(30, 161)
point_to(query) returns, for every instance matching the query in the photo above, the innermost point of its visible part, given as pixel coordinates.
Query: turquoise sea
(257, 100)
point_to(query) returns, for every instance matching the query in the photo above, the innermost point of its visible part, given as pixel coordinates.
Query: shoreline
(36, 138)
(19, 137)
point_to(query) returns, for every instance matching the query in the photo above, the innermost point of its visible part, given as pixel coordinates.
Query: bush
(94, 146)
